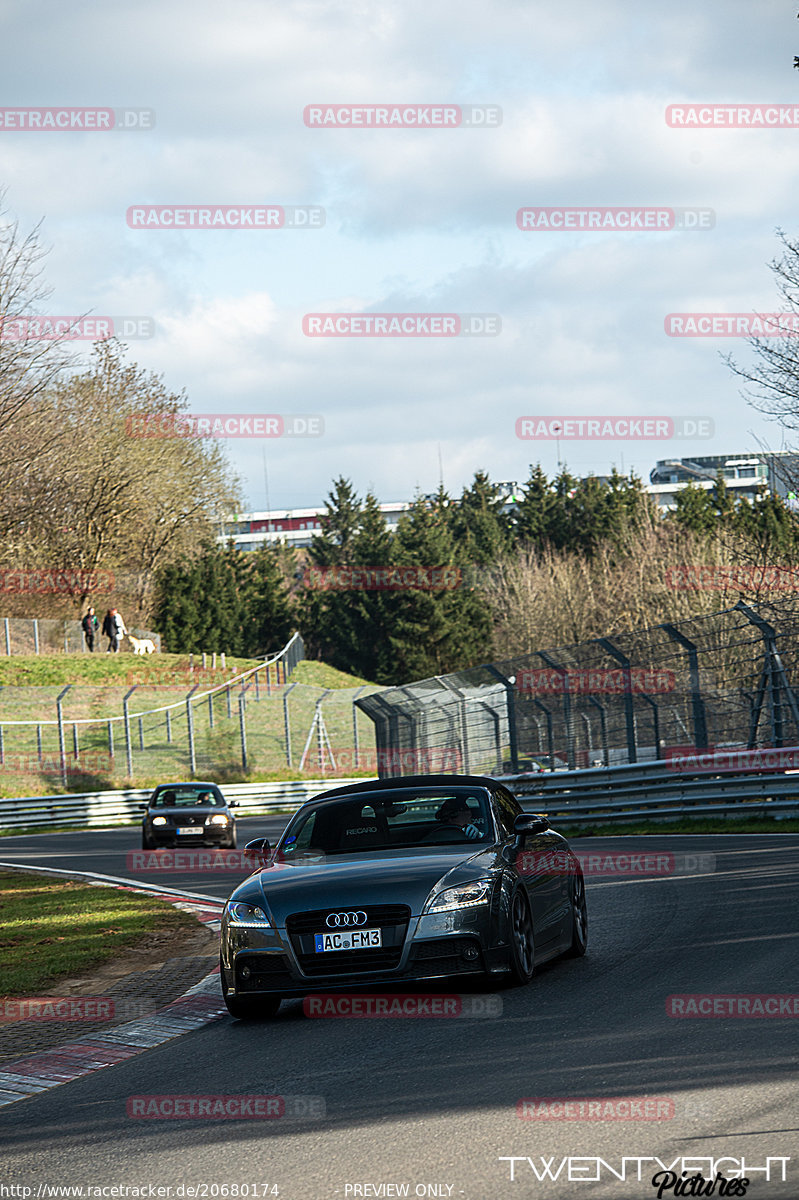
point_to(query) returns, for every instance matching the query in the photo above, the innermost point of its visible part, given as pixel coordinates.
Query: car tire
(146, 843)
(522, 939)
(249, 1008)
(579, 942)
(232, 843)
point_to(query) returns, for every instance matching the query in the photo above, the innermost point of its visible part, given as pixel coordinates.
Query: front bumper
(165, 835)
(270, 962)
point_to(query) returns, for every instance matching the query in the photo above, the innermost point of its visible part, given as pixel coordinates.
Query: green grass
(52, 929)
(321, 675)
(706, 825)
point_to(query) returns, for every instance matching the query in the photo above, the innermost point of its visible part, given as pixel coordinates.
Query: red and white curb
(199, 1006)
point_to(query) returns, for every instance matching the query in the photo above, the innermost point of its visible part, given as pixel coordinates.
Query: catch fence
(720, 682)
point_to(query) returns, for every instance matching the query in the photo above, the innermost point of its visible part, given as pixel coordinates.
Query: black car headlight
(465, 895)
(239, 912)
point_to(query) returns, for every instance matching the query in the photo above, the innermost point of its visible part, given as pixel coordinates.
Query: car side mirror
(142, 807)
(259, 850)
(528, 823)
(233, 804)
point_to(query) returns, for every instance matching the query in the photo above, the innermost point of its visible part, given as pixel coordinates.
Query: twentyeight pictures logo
(610, 428)
(401, 325)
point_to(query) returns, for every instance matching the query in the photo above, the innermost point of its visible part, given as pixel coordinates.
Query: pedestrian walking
(114, 629)
(90, 625)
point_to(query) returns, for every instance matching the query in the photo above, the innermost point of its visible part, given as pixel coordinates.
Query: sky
(567, 109)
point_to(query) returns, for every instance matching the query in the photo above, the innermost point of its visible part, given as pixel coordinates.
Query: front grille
(392, 919)
(376, 914)
(446, 955)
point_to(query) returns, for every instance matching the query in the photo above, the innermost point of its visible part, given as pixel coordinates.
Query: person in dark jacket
(90, 625)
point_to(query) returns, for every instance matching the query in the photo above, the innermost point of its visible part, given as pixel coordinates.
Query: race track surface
(428, 1106)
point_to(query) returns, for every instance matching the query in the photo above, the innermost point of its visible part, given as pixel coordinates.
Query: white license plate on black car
(348, 939)
(194, 829)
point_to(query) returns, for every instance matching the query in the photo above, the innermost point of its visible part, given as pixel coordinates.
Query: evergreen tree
(479, 526)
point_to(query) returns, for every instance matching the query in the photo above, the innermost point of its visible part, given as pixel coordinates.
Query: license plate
(348, 939)
(194, 829)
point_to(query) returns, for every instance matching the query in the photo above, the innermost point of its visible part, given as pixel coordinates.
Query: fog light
(470, 953)
(245, 972)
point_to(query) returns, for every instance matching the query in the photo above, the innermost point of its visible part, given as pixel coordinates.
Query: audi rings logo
(339, 920)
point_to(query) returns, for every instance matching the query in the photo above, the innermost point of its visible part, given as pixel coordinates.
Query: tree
(480, 528)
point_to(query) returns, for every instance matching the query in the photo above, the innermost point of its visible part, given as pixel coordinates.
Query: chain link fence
(50, 635)
(716, 682)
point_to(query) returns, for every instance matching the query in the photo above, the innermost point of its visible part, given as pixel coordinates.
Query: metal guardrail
(654, 791)
(643, 791)
(94, 810)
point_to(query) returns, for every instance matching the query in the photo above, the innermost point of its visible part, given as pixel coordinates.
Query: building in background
(747, 475)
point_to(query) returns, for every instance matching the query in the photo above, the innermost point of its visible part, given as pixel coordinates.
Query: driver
(456, 811)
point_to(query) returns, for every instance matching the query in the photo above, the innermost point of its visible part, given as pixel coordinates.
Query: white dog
(141, 645)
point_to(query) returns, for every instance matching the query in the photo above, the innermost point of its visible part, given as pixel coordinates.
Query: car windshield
(186, 797)
(389, 820)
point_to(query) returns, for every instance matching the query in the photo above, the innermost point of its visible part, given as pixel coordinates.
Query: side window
(506, 808)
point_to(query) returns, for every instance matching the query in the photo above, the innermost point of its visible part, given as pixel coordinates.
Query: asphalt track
(428, 1106)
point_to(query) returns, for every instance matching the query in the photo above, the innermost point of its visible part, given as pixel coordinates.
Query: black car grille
(392, 919)
(447, 956)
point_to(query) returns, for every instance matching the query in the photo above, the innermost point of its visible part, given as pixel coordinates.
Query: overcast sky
(416, 220)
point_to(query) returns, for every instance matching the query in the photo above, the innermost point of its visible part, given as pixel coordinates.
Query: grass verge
(52, 929)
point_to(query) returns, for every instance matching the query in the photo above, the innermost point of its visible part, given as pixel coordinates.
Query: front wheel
(579, 943)
(232, 843)
(522, 939)
(146, 844)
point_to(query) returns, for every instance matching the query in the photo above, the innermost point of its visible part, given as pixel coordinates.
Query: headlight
(159, 820)
(240, 913)
(218, 819)
(464, 896)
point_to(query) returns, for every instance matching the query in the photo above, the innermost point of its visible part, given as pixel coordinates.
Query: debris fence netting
(718, 682)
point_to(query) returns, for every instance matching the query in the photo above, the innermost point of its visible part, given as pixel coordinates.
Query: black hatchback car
(398, 880)
(188, 814)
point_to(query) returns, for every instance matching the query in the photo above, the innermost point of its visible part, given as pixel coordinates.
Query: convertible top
(410, 781)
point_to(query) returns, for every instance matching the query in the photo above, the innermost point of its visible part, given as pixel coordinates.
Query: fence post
(62, 751)
(697, 703)
(190, 727)
(464, 720)
(510, 697)
(229, 710)
(603, 725)
(141, 733)
(2, 748)
(35, 635)
(773, 671)
(210, 710)
(356, 761)
(629, 714)
(8, 636)
(66, 639)
(257, 687)
(75, 746)
(548, 717)
(39, 741)
(126, 713)
(243, 729)
(286, 724)
(567, 704)
(169, 727)
(110, 739)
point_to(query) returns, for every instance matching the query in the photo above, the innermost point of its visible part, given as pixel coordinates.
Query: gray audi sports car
(400, 881)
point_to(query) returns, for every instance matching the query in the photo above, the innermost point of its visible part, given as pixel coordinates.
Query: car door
(541, 865)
